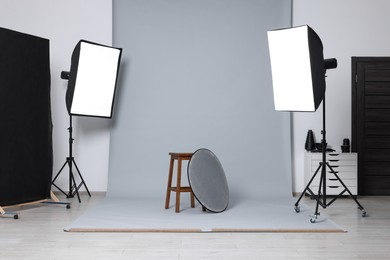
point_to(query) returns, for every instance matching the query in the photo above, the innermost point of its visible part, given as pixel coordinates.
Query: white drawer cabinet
(345, 166)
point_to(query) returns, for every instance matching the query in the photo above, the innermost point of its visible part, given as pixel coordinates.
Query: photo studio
(194, 116)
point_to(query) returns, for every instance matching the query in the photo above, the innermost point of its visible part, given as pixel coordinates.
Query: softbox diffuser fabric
(92, 79)
(298, 71)
(26, 157)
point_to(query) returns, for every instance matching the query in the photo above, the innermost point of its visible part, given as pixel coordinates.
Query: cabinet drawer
(342, 175)
(335, 182)
(335, 156)
(335, 163)
(342, 168)
(343, 164)
(335, 190)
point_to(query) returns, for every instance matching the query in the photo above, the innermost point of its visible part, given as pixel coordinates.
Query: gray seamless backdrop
(196, 74)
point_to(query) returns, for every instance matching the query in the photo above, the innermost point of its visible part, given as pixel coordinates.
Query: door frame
(354, 88)
(357, 133)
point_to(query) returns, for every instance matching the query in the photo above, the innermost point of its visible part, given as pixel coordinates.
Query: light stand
(73, 187)
(321, 195)
(91, 90)
(298, 75)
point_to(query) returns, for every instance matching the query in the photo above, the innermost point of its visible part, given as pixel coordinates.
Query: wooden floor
(38, 234)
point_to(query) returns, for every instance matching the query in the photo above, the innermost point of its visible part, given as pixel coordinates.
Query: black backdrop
(26, 156)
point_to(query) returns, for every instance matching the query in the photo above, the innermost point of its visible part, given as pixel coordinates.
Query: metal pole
(69, 159)
(323, 145)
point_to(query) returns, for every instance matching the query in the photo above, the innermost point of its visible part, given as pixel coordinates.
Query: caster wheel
(16, 216)
(313, 219)
(68, 206)
(297, 209)
(364, 214)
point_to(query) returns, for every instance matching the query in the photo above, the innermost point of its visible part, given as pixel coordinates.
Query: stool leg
(192, 199)
(169, 186)
(178, 186)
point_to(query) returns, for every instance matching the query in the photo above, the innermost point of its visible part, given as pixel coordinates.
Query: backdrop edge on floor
(148, 215)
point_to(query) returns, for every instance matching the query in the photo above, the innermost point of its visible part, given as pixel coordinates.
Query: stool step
(182, 189)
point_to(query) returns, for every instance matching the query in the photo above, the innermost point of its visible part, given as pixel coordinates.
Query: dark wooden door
(371, 123)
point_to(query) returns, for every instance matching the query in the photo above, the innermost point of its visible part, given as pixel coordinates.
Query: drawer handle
(333, 187)
(333, 172)
(333, 154)
(334, 160)
(333, 179)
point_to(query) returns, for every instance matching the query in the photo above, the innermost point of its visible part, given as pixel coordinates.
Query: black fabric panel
(26, 155)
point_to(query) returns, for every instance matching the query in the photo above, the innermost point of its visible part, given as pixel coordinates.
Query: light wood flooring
(38, 234)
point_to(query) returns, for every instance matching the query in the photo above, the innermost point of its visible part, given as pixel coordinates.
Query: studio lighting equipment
(208, 181)
(92, 81)
(298, 78)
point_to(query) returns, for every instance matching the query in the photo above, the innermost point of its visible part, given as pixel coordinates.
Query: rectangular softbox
(298, 70)
(92, 79)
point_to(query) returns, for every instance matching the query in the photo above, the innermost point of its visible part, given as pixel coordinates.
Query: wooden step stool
(178, 189)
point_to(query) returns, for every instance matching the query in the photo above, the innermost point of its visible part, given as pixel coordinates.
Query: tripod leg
(75, 185)
(296, 205)
(58, 174)
(55, 178)
(81, 177)
(364, 213)
(316, 213)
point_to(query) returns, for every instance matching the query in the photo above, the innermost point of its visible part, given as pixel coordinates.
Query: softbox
(298, 68)
(92, 79)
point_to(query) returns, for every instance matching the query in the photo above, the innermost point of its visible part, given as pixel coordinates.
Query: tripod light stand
(91, 90)
(73, 187)
(298, 75)
(323, 165)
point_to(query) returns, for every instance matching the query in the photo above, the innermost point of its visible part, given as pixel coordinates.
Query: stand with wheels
(73, 187)
(4, 213)
(321, 195)
(15, 215)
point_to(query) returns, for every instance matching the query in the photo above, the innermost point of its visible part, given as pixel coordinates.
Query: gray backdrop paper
(196, 74)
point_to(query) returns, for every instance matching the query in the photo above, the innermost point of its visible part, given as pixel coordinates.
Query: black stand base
(320, 197)
(15, 215)
(73, 187)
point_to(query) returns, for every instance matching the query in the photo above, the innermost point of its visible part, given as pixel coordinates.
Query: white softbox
(298, 68)
(92, 79)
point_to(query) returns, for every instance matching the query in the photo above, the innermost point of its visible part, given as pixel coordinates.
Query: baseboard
(296, 194)
(97, 193)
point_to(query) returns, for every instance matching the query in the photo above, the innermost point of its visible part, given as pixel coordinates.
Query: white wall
(64, 23)
(347, 28)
